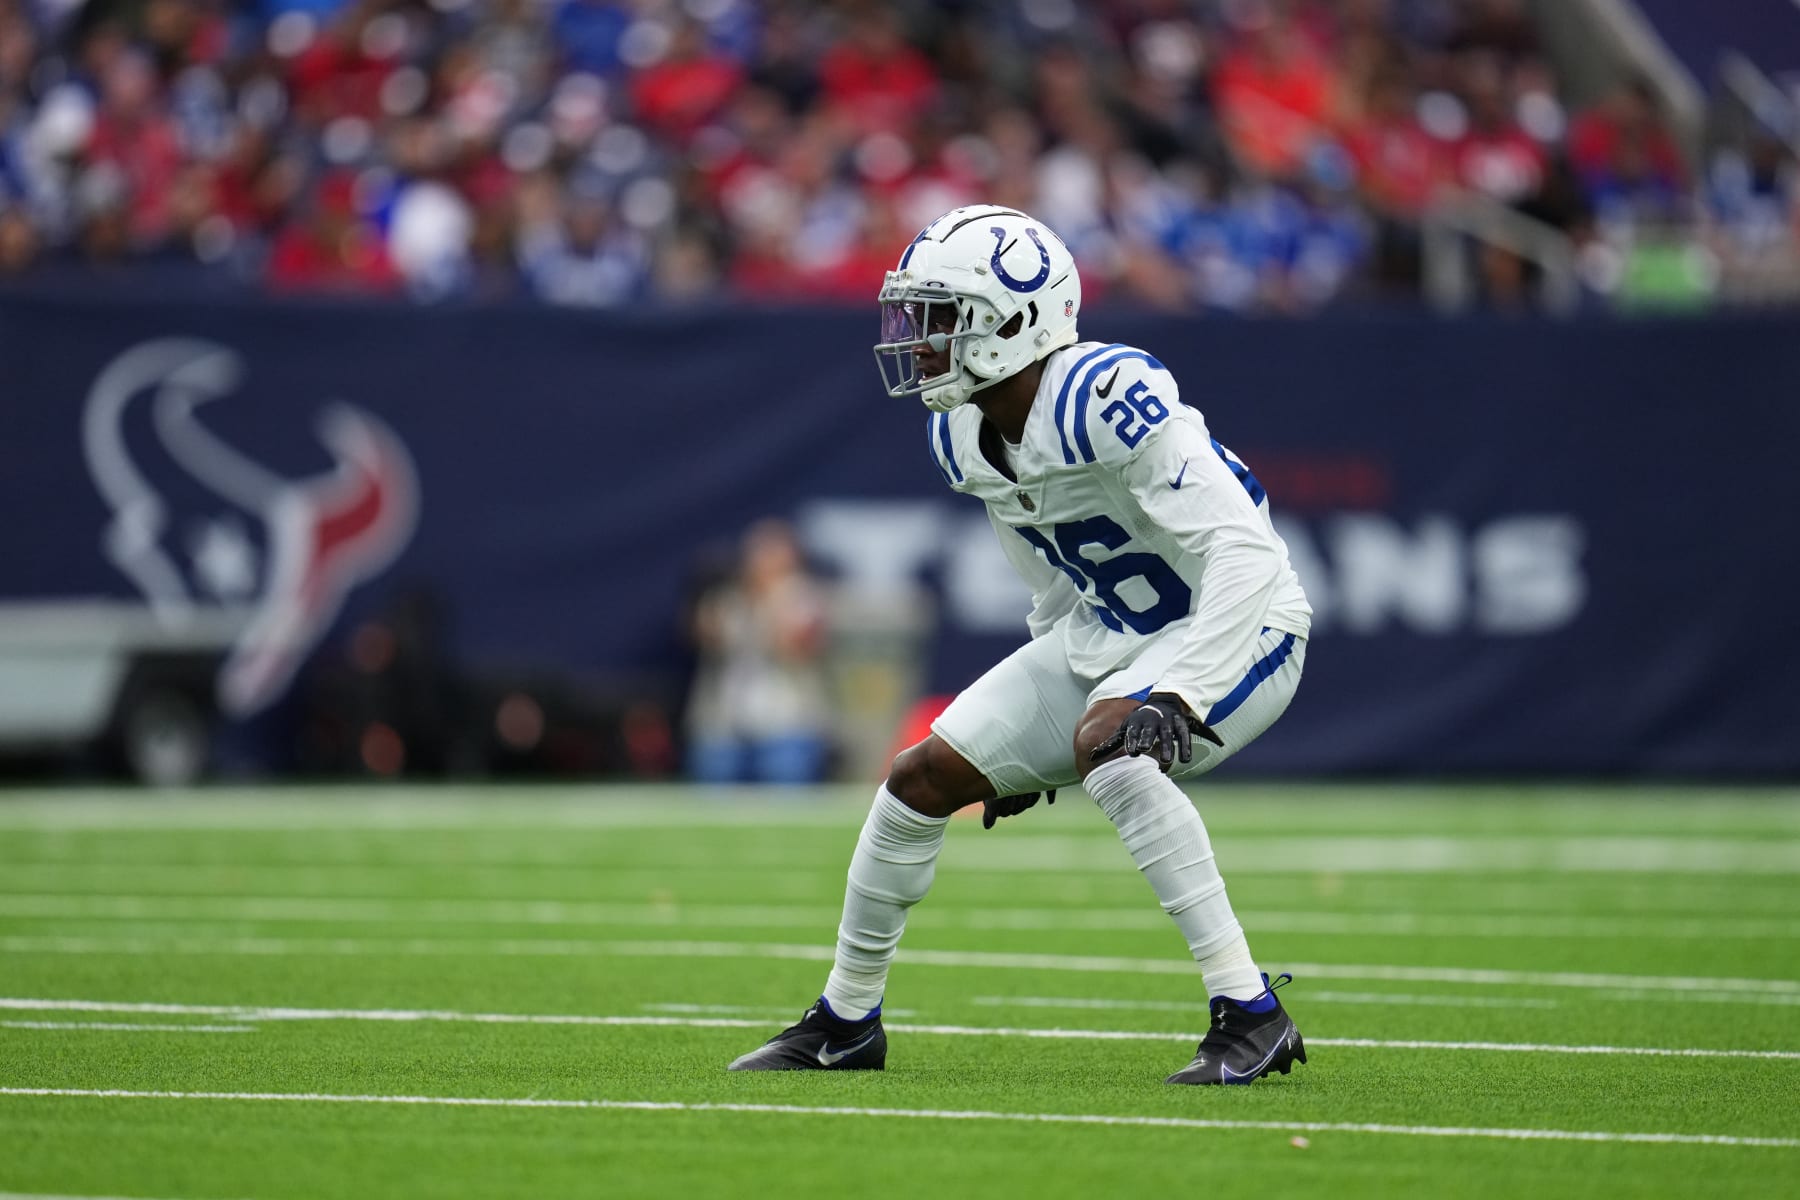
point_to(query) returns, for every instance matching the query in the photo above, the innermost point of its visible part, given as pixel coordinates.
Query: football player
(1168, 629)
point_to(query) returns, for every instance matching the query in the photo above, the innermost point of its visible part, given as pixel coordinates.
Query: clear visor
(901, 321)
(903, 354)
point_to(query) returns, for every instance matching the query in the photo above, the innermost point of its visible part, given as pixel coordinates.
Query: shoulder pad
(943, 447)
(1109, 400)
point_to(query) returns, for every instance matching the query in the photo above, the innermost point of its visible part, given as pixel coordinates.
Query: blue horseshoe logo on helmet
(1020, 285)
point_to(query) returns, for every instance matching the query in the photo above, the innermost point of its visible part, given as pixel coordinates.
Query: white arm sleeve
(1052, 594)
(1213, 519)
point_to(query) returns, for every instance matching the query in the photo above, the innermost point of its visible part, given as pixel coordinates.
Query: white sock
(895, 859)
(1168, 843)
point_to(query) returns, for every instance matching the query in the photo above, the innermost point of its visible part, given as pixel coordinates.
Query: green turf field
(1505, 992)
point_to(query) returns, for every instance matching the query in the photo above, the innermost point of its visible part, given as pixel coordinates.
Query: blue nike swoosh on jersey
(1175, 483)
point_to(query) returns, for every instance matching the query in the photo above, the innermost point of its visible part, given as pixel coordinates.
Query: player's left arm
(1183, 485)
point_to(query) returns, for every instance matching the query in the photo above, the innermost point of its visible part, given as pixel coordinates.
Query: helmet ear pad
(985, 357)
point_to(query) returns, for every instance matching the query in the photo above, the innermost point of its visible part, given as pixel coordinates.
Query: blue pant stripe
(1267, 666)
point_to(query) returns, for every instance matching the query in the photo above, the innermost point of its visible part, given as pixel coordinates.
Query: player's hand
(1163, 724)
(1009, 806)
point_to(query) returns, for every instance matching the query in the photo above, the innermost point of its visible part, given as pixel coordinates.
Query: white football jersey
(1130, 522)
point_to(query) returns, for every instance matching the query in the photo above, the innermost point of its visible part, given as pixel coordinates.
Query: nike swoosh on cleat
(1226, 1074)
(1175, 483)
(1105, 389)
(829, 1057)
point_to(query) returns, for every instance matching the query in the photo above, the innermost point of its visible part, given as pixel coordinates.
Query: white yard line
(1096, 1003)
(1414, 999)
(315, 908)
(564, 948)
(127, 1028)
(1392, 924)
(1353, 1043)
(1700, 997)
(408, 1016)
(338, 808)
(345, 809)
(599, 913)
(1310, 996)
(1424, 854)
(256, 1013)
(43, 1196)
(1154, 1122)
(1100, 852)
(1175, 966)
(1539, 1048)
(728, 1010)
(719, 1010)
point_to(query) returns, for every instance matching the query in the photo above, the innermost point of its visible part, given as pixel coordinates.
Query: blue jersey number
(1132, 417)
(1173, 596)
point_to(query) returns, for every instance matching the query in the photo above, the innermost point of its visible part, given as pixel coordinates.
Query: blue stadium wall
(1534, 547)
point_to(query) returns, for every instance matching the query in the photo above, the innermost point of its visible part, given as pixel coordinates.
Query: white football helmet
(990, 287)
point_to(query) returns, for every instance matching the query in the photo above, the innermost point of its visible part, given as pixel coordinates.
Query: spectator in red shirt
(1273, 91)
(1623, 152)
(1400, 166)
(1496, 157)
(254, 185)
(759, 125)
(688, 88)
(876, 80)
(332, 248)
(135, 137)
(341, 74)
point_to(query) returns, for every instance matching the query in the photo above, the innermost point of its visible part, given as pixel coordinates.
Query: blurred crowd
(1266, 155)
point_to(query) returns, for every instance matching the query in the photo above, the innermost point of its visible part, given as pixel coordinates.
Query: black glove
(1009, 806)
(1163, 724)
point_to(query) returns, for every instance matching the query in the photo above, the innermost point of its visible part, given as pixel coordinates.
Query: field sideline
(525, 992)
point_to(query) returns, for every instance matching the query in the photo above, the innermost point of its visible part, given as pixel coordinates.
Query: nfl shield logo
(1068, 308)
(1025, 503)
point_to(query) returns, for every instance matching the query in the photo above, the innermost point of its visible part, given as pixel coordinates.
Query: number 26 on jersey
(1134, 414)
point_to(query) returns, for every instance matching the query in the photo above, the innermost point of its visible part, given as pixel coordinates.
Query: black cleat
(821, 1041)
(1243, 1046)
